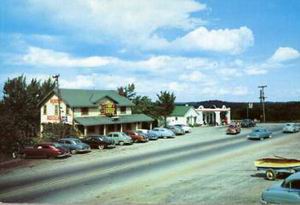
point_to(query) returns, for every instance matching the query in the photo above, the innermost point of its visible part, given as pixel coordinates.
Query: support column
(136, 126)
(228, 116)
(150, 126)
(104, 130)
(85, 131)
(121, 127)
(218, 117)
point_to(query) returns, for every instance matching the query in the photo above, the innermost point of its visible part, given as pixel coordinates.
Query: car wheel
(24, 155)
(270, 174)
(121, 143)
(270, 136)
(73, 151)
(261, 139)
(100, 146)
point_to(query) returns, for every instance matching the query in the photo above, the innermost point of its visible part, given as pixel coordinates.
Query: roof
(180, 111)
(88, 98)
(101, 120)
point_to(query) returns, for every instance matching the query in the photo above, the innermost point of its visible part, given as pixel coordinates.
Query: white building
(214, 115)
(186, 115)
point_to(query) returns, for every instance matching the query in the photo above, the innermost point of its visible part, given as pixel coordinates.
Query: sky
(200, 50)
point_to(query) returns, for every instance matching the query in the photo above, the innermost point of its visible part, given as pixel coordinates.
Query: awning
(121, 119)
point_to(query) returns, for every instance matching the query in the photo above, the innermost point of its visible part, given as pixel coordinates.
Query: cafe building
(92, 111)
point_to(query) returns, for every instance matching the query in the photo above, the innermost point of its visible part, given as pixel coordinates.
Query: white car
(187, 129)
(290, 127)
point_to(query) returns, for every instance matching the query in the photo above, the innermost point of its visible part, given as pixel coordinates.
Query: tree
(165, 104)
(127, 91)
(19, 113)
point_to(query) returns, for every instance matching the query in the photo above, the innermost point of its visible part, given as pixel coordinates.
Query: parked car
(233, 129)
(136, 137)
(177, 130)
(45, 150)
(99, 141)
(164, 133)
(187, 129)
(260, 134)
(150, 135)
(290, 128)
(287, 192)
(248, 123)
(120, 138)
(74, 145)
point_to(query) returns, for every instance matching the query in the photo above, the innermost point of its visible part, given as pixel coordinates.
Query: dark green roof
(180, 111)
(89, 98)
(101, 120)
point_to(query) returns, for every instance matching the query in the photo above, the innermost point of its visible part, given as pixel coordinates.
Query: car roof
(294, 176)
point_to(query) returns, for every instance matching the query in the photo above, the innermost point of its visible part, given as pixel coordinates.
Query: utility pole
(262, 98)
(56, 77)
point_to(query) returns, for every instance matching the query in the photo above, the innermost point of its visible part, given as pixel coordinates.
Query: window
(123, 109)
(295, 184)
(56, 110)
(45, 110)
(84, 111)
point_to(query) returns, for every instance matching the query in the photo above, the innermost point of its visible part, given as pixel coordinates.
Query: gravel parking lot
(205, 166)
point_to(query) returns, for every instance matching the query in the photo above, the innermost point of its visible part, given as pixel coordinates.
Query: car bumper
(83, 150)
(67, 154)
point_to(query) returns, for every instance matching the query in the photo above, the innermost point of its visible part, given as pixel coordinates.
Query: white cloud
(193, 76)
(232, 41)
(134, 21)
(255, 71)
(47, 57)
(284, 54)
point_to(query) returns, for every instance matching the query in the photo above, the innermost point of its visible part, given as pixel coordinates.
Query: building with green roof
(91, 111)
(184, 114)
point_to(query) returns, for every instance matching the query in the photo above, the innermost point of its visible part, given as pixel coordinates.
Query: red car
(233, 129)
(45, 150)
(136, 137)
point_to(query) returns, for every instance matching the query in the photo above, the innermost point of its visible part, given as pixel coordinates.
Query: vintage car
(99, 141)
(120, 138)
(177, 130)
(290, 128)
(248, 123)
(260, 134)
(135, 136)
(163, 132)
(187, 129)
(74, 145)
(45, 150)
(147, 133)
(233, 129)
(287, 192)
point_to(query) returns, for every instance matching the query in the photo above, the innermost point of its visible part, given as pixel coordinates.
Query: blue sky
(200, 50)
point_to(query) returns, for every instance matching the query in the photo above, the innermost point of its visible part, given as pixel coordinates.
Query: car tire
(100, 146)
(270, 136)
(261, 138)
(121, 143)
(270, 174)
(24, 156)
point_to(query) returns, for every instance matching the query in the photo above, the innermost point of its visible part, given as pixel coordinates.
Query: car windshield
(77, 141)
(56, 145)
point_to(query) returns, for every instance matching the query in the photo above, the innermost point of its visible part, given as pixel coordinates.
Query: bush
(55, 131)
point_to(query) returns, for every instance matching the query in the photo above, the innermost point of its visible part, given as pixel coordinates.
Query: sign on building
(108, 108)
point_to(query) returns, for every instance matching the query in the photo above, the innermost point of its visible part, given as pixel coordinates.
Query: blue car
(287, 192)
(148, 134)
(259, 134)
(74, 145)
(163, 132)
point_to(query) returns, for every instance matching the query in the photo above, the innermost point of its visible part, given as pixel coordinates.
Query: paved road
(134, 178)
